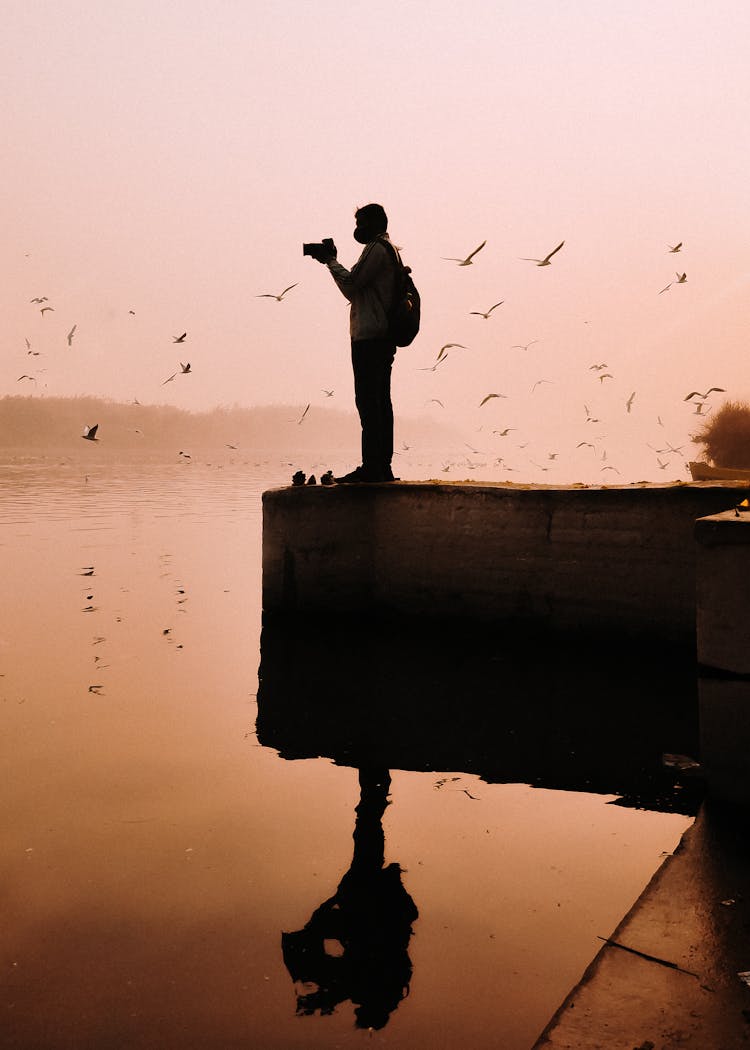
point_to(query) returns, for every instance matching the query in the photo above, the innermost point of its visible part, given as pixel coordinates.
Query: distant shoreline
(54, 424)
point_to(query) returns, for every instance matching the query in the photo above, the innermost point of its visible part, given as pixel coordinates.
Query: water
(154, 851)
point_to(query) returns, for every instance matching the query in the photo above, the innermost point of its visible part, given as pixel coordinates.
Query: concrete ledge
(616, 559)
(723, 592)
(694, 914)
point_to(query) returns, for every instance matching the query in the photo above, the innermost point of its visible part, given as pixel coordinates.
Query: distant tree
(725, 436)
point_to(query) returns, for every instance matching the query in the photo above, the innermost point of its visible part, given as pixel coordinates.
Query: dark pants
(372, 360)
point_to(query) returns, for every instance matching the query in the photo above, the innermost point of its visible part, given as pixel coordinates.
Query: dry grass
(725, 436)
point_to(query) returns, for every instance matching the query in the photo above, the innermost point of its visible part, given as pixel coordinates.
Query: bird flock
(89, 430)
(499, 431)
(600, 372)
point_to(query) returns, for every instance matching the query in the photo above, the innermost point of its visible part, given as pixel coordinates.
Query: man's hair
(374, 215)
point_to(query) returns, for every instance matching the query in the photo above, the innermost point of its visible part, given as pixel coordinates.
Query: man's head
(371, 222)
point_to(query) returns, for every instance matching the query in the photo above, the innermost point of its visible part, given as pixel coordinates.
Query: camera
(325, 247)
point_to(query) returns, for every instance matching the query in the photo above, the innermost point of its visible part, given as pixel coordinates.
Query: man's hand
(318, 253)
(322, 253)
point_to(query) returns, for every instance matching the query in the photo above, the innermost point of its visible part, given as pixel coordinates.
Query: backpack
(405, 312)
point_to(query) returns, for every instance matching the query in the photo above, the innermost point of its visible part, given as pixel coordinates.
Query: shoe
(354, 477)
(360, 476)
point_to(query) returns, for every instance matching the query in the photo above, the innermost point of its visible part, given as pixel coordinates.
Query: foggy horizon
(164, 183)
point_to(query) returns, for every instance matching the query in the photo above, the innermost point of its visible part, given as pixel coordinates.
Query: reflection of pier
(555, 708)
(530, 709)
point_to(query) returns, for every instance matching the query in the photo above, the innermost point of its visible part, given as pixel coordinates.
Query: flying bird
(442, 355)
(630, 400)
(589, 417)
(546, 260)
(674, 248)
(669, 448)
(431, 368)
(597, 368)
(443, 351)
(24, 376)
(71, 333)
(278, 298)
(666, 288)
(179, 338)
(478, 313)
(696, 393)
(539, 382)
(681, 277)
(45, 308)
(468, 260)
(437, 401)
(605, 375)
(503, 433)
(184, 369)
(304, 414)
(328, 393)
(39, 299)
(519, 346)
(489, 397)
(89, 433)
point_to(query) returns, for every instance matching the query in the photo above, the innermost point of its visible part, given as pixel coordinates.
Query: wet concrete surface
(692, 926)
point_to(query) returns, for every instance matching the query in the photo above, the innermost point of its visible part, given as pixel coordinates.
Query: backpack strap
(396, 274)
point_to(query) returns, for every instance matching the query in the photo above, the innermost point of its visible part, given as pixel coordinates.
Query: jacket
(369, 286)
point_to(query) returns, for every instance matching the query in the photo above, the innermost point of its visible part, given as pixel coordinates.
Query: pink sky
(170, 159)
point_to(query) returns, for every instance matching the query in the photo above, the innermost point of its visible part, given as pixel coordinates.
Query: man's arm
(364, 272)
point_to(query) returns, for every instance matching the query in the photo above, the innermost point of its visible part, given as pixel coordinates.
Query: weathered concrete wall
(723, 591)
(723, 646)
(564, 558)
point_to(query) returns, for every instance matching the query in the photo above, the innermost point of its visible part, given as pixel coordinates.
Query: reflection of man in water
(355, 944)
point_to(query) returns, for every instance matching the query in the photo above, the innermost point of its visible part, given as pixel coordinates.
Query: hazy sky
(170, 158)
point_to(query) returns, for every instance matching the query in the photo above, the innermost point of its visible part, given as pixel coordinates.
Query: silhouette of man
(369, 286)
(369, 918)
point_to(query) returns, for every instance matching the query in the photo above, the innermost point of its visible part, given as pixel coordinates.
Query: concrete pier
(723, 592)
(619, 559)
(628, 562)
(723, 648)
